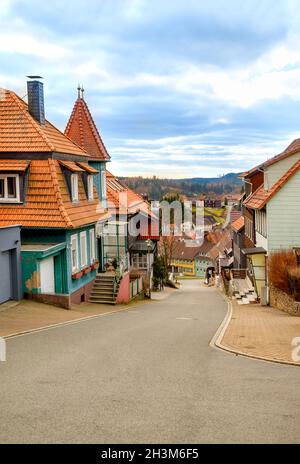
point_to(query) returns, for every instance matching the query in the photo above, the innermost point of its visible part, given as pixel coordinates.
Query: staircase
(243, 291)
(105, 289)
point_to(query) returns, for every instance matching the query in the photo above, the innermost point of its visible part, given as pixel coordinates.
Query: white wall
(283, 216)
(275, 172)
(261, 241)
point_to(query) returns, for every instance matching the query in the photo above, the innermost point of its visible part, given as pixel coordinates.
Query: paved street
(145, 375)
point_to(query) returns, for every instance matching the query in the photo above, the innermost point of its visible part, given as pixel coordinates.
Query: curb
(216, 341)
(61, 324)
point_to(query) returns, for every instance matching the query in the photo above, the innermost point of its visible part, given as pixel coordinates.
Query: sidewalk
(26, 315)
(261, 332)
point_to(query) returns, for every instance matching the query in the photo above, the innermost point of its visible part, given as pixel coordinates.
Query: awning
(89, 169)
(71, 166)
(14, 165)
(142, 246)
(254, 251)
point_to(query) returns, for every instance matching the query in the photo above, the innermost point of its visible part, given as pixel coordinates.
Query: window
(74, 252)
(92, 246)
(140, 261)
(249, 228)
(103, 184)
(90, 182)
(9, 188)
(74, 187)
(261, 222)
(83, 253)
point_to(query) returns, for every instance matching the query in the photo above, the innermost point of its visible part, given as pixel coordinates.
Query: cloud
(182, 87)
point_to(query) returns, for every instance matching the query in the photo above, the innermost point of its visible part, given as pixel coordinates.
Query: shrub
(279, 264)
(294, 282)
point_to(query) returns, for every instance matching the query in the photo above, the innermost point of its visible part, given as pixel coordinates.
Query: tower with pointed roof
(82, 130)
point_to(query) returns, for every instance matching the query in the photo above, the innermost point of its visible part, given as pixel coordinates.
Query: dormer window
(74, 187)
(90, 185)
(9, 188)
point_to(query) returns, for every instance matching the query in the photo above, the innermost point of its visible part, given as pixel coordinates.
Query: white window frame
(6, 199)
(90, 186)
(261, 222)
(74, 241)
(83, 249)
(92, 245)
(74, 187)
(103, 184)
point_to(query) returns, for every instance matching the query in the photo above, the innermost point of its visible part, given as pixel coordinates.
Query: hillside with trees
(156, 188)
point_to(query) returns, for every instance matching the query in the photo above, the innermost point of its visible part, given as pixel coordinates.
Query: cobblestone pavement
(262, 332)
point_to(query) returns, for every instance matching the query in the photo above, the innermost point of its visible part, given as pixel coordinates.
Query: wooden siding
(283, 216)
(277, 170)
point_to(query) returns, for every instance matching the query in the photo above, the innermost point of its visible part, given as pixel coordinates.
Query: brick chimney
(35, 93)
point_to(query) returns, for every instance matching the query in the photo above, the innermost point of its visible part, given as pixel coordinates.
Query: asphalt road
(145, 375)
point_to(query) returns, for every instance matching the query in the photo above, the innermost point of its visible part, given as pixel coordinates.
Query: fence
(136, 287)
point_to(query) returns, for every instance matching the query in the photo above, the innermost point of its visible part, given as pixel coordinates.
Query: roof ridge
(24, 108)
(52, 166)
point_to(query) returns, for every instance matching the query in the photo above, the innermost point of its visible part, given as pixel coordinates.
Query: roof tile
(82, 129)
(19, 132)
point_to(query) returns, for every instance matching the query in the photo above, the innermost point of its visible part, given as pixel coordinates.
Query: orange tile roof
(19, 132)
(261, 196)
(48, 203)
(238, 225)
(123, 199)
(82, 129)
(14, 165)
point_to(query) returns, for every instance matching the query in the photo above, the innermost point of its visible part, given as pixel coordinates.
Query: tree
(160, 272)
(166, 250)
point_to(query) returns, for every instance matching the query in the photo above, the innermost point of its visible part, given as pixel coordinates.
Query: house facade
(118, 247)
(82, 130)
(10, 263)
(190, 260)
(271, 210)
(47, 187)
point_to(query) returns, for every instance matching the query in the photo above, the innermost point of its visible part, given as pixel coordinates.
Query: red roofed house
(272, 209)
(117, 242)
(47, 187)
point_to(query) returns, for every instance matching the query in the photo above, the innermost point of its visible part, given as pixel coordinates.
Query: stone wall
(284, 302)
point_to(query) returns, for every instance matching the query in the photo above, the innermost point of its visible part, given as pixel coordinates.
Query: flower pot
(77, 275)
(86, 270)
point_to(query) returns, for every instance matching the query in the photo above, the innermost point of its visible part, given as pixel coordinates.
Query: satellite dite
(2, 350)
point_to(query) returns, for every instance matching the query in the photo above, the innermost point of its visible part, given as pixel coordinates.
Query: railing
(239, 273)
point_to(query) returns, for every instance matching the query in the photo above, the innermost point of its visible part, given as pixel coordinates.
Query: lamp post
(149, 247)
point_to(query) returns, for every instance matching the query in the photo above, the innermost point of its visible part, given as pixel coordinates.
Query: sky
(177, 88)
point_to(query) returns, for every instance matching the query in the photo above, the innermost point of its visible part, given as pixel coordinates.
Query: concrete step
(96, 292)
(103, 277)
(102, 297)
(108, 287)
(100, 301)
(245, 301)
